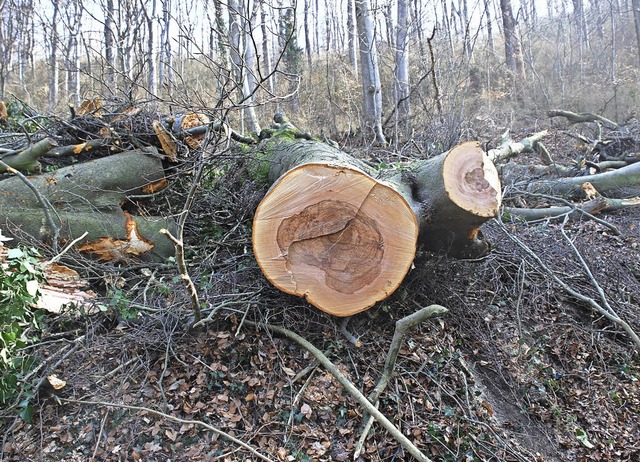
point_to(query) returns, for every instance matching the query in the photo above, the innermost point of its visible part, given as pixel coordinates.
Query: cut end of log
(472, 181)
(335, 236)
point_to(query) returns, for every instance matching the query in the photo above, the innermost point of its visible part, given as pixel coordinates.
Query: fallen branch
(508, 148)
(27, 159)
(402, 327)
(587, 209)
(215, 430)
(576, 118)
(624, 177)
(350, 387)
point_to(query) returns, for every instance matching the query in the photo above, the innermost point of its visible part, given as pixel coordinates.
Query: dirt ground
(517, 370)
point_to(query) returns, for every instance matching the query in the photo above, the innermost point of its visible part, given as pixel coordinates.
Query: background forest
(537, 356)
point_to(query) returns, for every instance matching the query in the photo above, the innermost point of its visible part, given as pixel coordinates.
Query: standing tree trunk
(512, 47)
(108, 46)
(371, 87)
(54, 75)
(307, 37)
(352, 37)
(343, 236)
(8, 23)
(249, 78)
(266, 55)
(150, 18)
(402, 65)
(487, 13)
(636, 17)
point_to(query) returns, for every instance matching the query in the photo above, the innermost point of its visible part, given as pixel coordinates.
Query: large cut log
(88, 197)
(342, 235)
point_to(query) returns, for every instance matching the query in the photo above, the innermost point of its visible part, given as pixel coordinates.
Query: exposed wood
(455, 193)
(343, 236)
(335, 235)
(3, 113)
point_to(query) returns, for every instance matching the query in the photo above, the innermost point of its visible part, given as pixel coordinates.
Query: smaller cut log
(454, 194)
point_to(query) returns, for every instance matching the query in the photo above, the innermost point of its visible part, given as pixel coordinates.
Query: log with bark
(88, 197)
(343, 235)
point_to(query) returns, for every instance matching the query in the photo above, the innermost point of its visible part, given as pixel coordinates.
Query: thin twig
(67, 247)
(595, 306)
(95, 449)
(215, 430)
(184, 273)
(350, 387)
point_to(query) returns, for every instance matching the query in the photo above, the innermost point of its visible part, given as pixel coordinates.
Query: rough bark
(343, 236)
(88, 197)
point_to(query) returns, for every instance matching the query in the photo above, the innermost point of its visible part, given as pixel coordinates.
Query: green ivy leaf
(584, 438)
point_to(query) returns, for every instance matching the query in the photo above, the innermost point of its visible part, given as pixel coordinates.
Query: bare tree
(54, 72)
(307, 37)
(352, 36)
(109, 49)
(165, 68)
(73, 24)
(512, 47)
(266, 53)
(487, 13)
(249, 80)
(371, 87)
(636, 17)
(402, 64)
(8, 36)
(150, 18)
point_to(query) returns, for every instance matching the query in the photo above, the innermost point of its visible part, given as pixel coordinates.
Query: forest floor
(517, 370)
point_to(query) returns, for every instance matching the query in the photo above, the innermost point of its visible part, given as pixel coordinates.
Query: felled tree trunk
(344, 236)
(88, 197)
